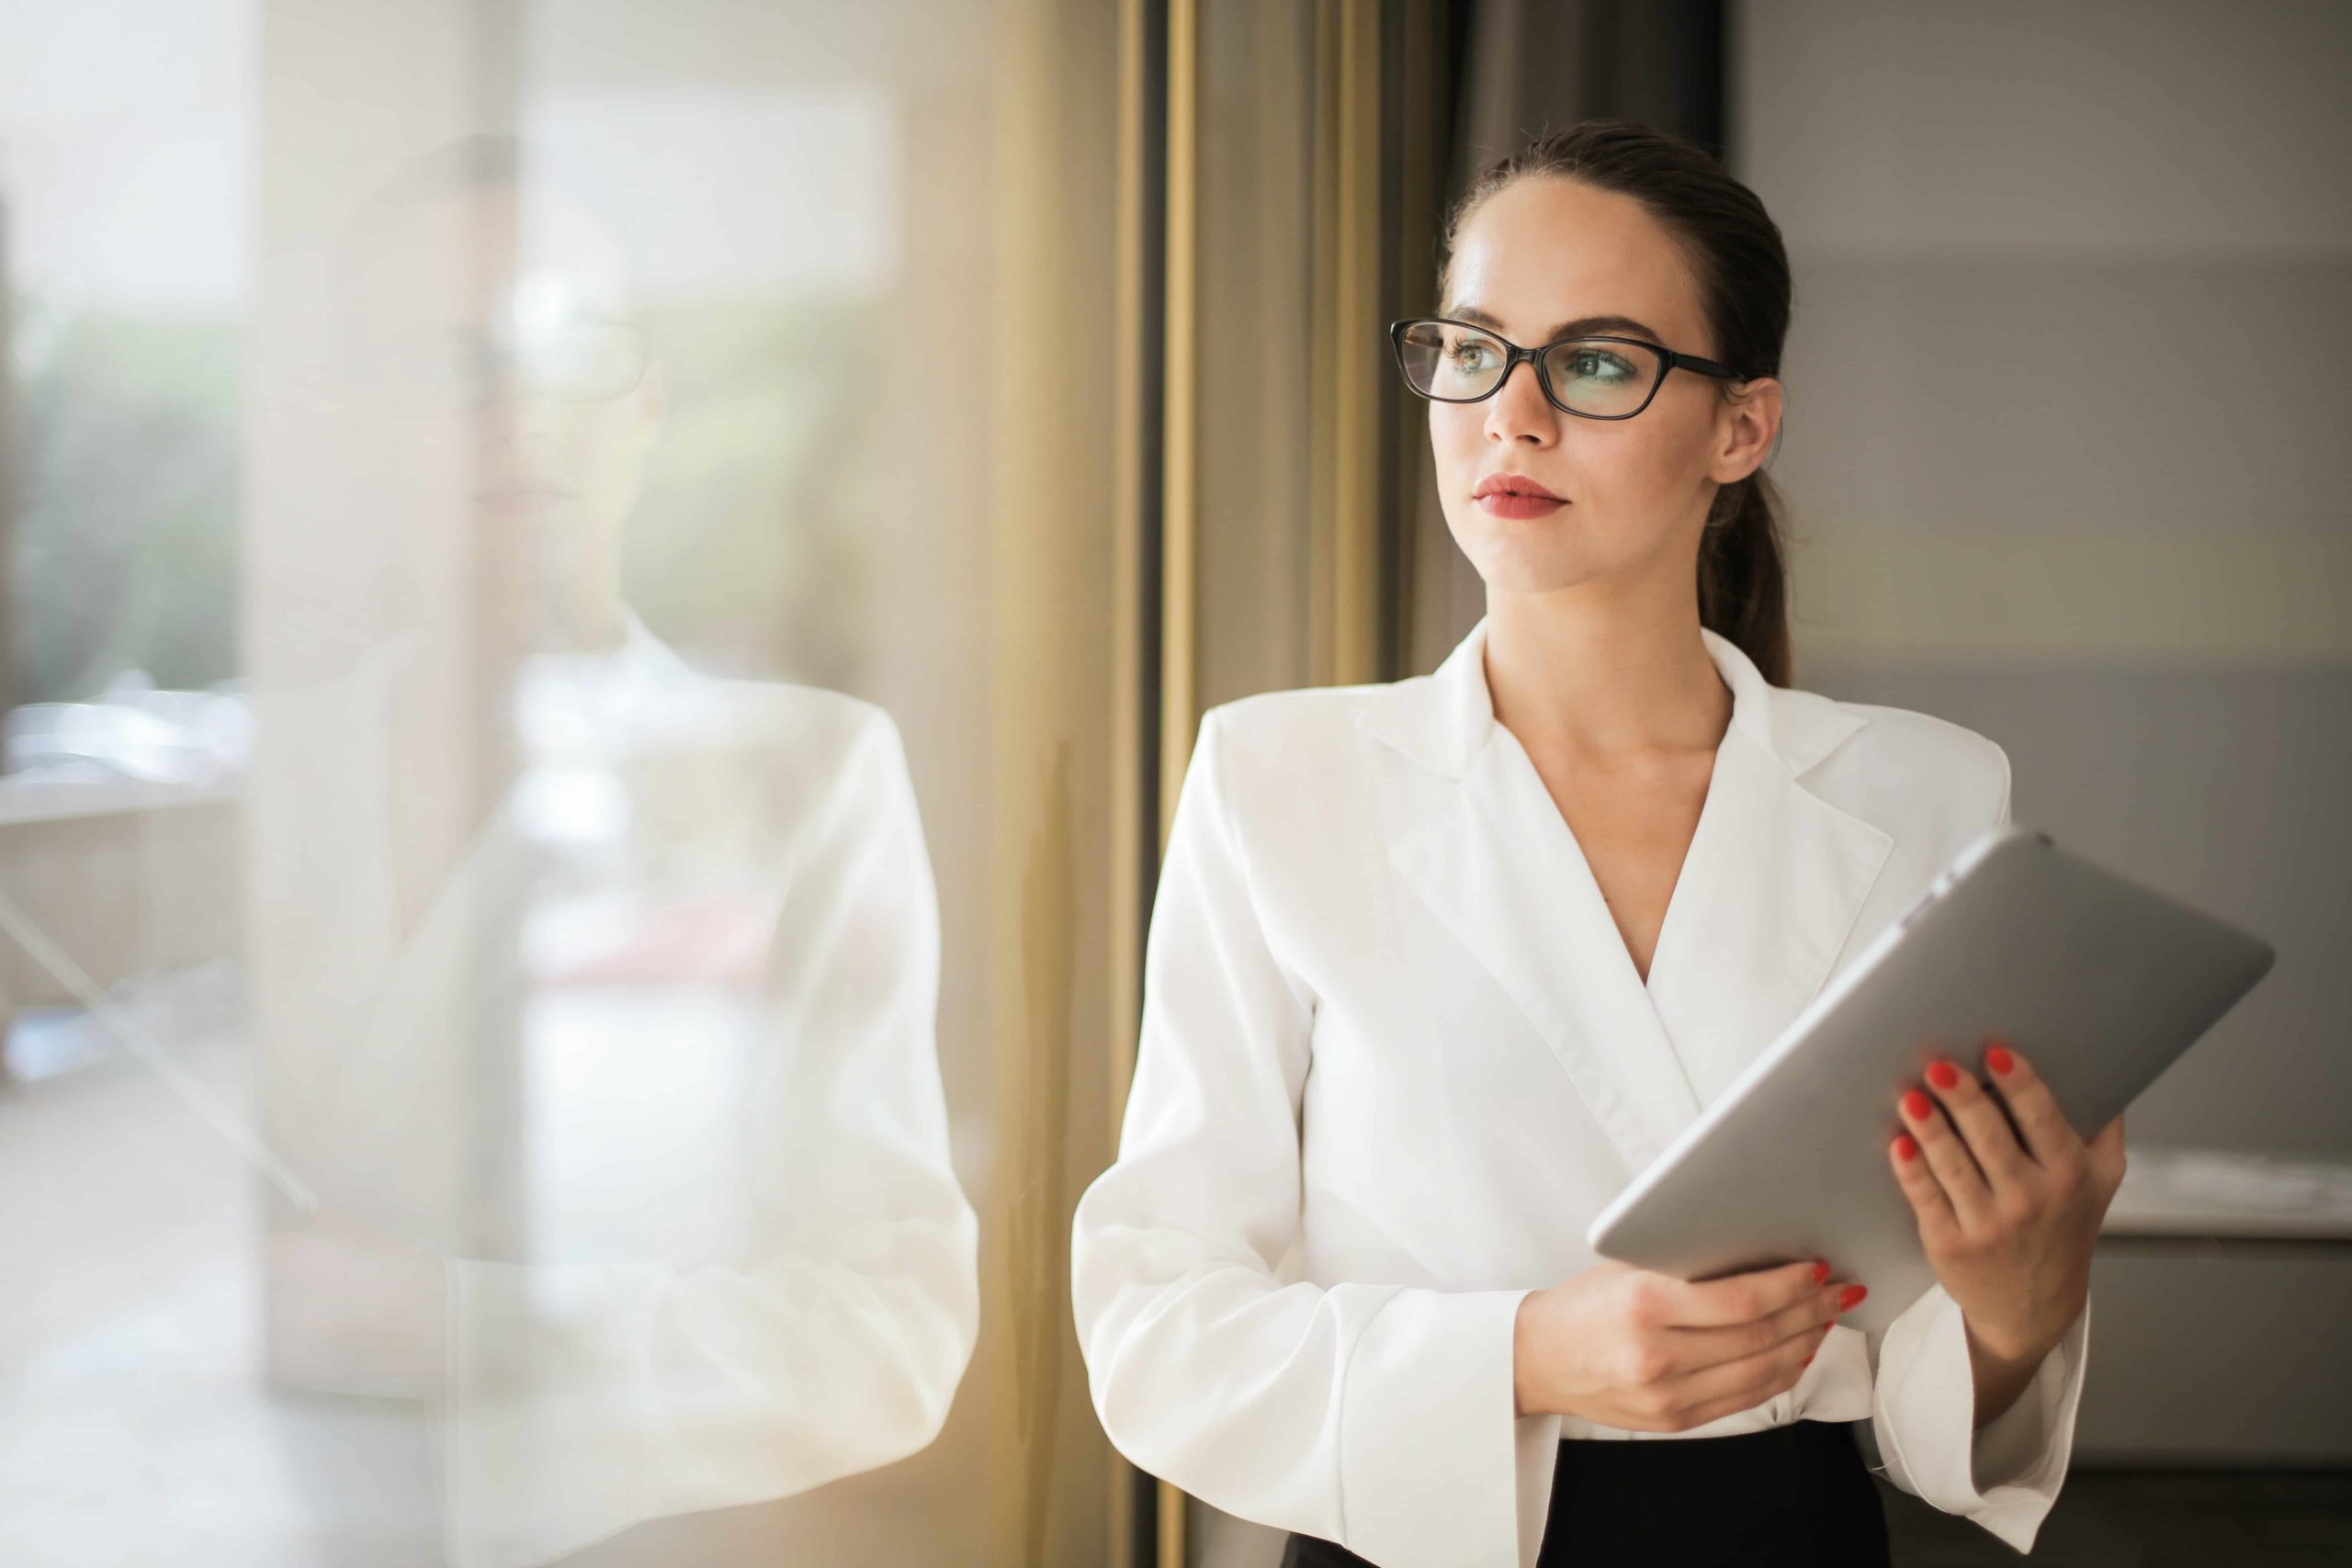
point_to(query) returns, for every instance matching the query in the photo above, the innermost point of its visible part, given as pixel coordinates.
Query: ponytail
(1743, 587)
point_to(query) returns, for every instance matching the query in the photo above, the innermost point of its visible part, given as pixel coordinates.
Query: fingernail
(1906, 1147)
(1852, 1296)
(1943, 1075)
(1820, 1272)
(1915, 1102)
(1808, 1360)
(1999, 1059)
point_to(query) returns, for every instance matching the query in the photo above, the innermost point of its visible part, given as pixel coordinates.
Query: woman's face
(496, 324)
(1539, 256)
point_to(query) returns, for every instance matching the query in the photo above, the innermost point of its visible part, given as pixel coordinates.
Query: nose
(525, 424)
(1520, 411)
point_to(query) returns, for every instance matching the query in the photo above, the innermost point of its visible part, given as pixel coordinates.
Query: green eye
(1596, 365)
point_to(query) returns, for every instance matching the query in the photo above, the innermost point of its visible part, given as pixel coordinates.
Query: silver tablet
(2100, 982)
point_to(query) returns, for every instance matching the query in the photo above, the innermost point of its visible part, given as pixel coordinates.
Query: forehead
(1546, 250)
(465, 249)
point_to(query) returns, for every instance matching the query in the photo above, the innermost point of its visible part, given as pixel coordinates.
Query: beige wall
(2070, 291)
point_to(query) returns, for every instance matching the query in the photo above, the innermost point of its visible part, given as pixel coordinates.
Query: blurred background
(602, 605)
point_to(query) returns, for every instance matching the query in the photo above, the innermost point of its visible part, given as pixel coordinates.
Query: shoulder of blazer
(1279, 758)
(1928, 756)
(1277, 728)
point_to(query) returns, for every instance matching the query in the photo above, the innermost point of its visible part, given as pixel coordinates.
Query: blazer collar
(1442, 720)
(1766, 896)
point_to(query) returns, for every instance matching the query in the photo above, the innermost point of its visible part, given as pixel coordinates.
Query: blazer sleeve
(587, 1396)
(1376, 1416)
(2007, 1476)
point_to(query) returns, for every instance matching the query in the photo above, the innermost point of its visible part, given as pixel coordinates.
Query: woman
(1437, 965)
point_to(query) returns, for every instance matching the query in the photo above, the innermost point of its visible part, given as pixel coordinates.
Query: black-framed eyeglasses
(468, 366)
(1592, 377)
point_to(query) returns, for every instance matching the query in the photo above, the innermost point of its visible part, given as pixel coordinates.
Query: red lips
(1515, 495)
(1510, 484)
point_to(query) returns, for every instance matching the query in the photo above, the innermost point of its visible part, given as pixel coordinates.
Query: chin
(1520, 563)
(1522, 577)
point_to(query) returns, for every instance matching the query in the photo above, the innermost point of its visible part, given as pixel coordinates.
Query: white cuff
(2005, 1477)
(1430, 1448)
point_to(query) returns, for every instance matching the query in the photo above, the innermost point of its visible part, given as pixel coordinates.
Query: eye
(1470, 353)
(584, 361)
(1589, 362)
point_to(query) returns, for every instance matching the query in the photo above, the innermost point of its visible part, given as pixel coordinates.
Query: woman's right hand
(1646, 1352)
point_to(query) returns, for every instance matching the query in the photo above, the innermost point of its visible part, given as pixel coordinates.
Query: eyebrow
(1576, 328)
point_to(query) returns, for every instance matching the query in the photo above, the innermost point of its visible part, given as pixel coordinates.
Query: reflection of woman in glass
(1437, 965)
(716, 1251)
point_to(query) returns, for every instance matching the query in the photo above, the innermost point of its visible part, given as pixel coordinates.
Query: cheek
(1457, 444)
(1672, 449)
(1633, 462)
(1457, 451)
(1641, 470)
(582, 430)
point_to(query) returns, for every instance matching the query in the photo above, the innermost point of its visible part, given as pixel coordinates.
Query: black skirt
(1789, 1496)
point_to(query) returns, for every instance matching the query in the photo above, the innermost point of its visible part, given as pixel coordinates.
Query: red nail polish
(1942, 1075)
(1999, 1059)
(1906, 1148)
(1820, 1272)
(1808, 1360)
(1852, 1296)
(1918, 1104)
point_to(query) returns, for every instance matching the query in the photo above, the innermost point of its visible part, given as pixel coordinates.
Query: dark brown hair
(1741, 269)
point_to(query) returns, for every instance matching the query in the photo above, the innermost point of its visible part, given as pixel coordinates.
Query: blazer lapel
(1768, 893)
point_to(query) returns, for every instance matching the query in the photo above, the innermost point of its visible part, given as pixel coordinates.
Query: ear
(1748, 428)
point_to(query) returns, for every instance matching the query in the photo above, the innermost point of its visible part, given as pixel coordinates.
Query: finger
(1984, 1124)
(1694, 1348)
(1928, 1200)
(1742, 1384)
(1735, 1298)
(2042, 1126)
(1946, 1156)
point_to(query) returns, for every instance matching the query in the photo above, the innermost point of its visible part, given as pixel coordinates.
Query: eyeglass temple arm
(1705, 366)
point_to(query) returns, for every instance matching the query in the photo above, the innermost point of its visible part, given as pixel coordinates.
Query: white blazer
(1396, 1057)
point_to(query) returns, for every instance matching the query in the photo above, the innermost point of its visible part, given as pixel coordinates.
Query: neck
(1597, 670)
(592, 624)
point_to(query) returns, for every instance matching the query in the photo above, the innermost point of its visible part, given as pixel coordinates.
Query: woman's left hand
(2008, 1224)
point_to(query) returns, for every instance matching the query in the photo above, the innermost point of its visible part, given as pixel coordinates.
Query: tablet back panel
(2100, 982)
